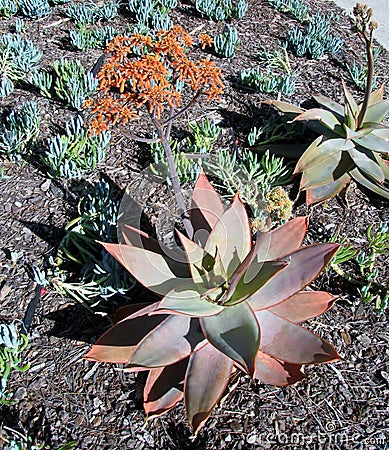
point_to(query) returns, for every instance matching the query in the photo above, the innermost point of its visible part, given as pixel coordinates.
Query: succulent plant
(347, 148)
(227, 304)
(354, 140)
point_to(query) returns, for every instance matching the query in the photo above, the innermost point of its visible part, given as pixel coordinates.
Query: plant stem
(370, 75)
(174, 177)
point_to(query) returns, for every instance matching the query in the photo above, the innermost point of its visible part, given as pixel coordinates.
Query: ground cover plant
(107, 258)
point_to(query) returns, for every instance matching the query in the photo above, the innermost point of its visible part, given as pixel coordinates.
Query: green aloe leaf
(292, 343)
(373, 142)
(256, 276)
(304, 266)
(377, 95)
(351, 108)
(284, 107)
(206, 209)
(322, 172)
(177, 335)
(322, 193)
(304, 305)
(319, 152)
(231, 237)
(187, 299)
(377, 112)
(325, 117)
(283, 240)
(195, 256)
(235, 333)
(331, 105)
(271, 371)
(164, 388)
(359, 178)
(206, 379)
(367, 165)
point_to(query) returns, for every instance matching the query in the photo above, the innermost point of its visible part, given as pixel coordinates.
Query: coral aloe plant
(227, 303)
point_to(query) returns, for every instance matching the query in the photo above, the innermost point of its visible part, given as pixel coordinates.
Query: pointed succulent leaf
(349, 101)
(325, 117)
(235, 333)
(187, 299)
(206, 379)
(304, 305)
(319, 151)
(286, 108)
(135, 310)
(373, 142)
(361, 179)
(322, 193)
(206, 209)
(137, 238)
(195, 256)
(322, 172)
(352, 134)
(367, 165)
(231, 236)
(256, 276)
(156, 272)
(164, 388)
(283, 240)
(292, 343)
(271, 371)
(171, 341)
(377, 112)
(304, 266)
(377, 95)
(383, 163)
(331, 105)
(382, 132)
(119, 343)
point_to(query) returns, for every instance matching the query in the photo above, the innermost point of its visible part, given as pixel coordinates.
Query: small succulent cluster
(365, 256)
(8, 8)
(19, 58)
(221, 10)
(34, 9)
(20, 131)
(256, 179)
(89, 12)
(273, 75)
(268, 81)
(84, 38)
(72, 153)
(295, 8)
(316, 39)
(226, 43)
(12, 343)
(152, 13)
(227, 304)
(102, 277)
(67, 80)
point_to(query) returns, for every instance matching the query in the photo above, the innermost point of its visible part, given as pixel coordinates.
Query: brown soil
(64, 397)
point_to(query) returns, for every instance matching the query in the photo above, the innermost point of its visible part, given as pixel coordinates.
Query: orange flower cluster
(155, 78)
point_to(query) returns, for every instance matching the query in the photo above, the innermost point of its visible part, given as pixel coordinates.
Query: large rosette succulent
(231, 304)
